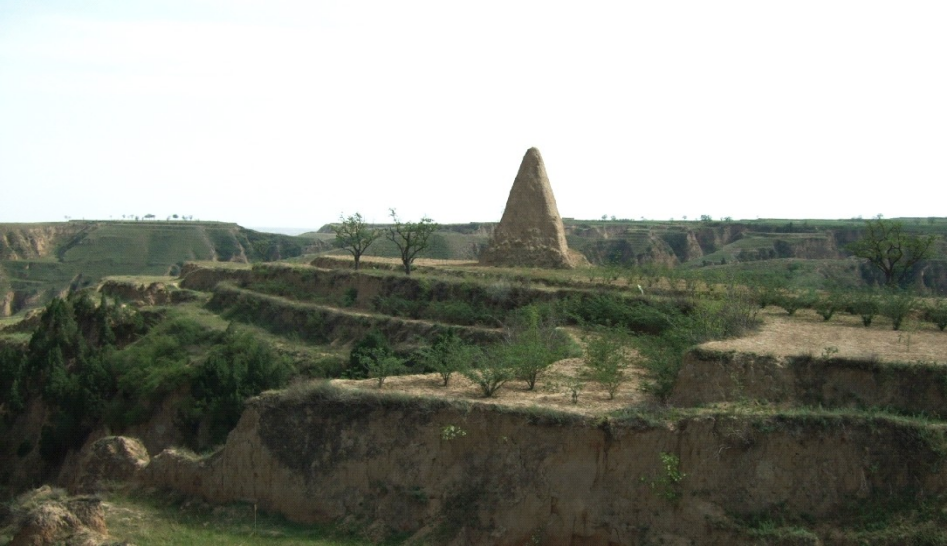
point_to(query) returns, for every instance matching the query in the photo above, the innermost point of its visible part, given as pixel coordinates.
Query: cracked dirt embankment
(392, 463)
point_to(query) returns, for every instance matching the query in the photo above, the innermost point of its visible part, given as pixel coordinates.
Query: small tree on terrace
(533, 344)
(606, 359)
(354, 235)
(411, 238)
(888, 248)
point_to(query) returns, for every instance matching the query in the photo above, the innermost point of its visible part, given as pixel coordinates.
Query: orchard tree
(606, 358)
(354, 235)
(411, 238)
(892, 251)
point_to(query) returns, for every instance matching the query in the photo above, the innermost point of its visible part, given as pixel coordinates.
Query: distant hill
(38, 261)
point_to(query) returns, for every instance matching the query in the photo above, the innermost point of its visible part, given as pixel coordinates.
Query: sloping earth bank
(513, 476)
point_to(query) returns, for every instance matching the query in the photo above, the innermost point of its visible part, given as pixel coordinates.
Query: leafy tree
(606, 359)
(937, 313)
(354, 235)
(381, 364)
(533, 345)
(897, 305)
(411, 238)
(12, 373)
(448, 355)
(492, 370)
(892, 251)
(368, 345)
(866, 306)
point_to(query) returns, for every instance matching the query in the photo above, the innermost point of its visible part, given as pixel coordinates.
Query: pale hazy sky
(288, 113)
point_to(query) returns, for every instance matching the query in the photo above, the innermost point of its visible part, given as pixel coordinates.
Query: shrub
(606, 359)
(382, 364)
(398, 306)
(492, 370)
(372, 340)
(668, 484)
(937, 313)
(793, 302)
(663, 361)
(12, 379)
(636, 314)
(732, 316)
(827, 305)
(897, 305)
(866, 306)
(765, 292)
(236, 369)
(533, 344)
(449, 354)
(350, 297)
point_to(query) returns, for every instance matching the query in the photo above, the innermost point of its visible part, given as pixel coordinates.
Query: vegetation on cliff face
(102, 364)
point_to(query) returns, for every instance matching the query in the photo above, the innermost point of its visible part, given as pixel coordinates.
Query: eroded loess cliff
(33, 241)
(462, 473)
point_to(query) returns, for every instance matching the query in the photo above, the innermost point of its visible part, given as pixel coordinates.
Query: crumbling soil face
(464, 473)
(156, 293)
(805, 361)
(109, 459)
(46, 516)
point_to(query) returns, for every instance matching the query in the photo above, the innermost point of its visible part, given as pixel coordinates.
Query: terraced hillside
(38, 261)
(803, 431)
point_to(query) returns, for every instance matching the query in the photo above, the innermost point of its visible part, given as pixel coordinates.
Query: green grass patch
(159, 518)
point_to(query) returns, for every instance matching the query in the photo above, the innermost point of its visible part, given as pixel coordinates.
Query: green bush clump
(238, 367)
(937, 313)
(12, 384)
(491, 370)
(448, 355)
(636, 314)
(382, 364)
(461, 312)
(897, 305)
(398, 306)
(371, 344)
(70, 366)
(350, 297)
(663, 354)
(792, 302)
(533, 344)
(606, 358)
(827, 305)
(866, 306)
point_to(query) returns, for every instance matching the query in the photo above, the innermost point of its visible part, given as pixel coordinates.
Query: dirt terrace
(780, 335)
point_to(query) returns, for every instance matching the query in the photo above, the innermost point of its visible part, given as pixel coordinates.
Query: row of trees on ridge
(355, 235)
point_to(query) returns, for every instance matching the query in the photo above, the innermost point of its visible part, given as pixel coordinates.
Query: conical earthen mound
(530, 233)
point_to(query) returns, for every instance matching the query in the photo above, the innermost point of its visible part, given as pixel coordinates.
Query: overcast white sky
(288, 113)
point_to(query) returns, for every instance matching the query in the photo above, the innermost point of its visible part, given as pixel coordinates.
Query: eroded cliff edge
(398, 465)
